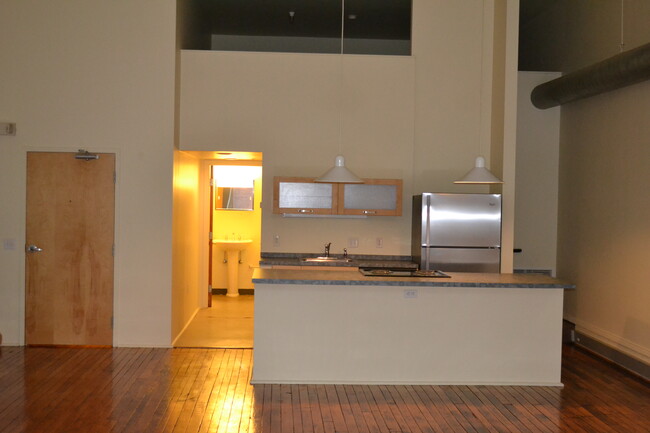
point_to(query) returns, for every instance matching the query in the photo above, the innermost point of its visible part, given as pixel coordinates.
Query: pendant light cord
(622, 44)
(341, 79)
(342, 23)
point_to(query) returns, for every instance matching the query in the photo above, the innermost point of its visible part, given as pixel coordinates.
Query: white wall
(538, 147)
(96, 75)
(100, 75)
(503, 112)
(421, 118)
(186, 241)
(604, 205)
(288, 107)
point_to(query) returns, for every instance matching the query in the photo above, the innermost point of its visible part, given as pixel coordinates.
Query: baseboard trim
(632, 365)
(398, 382)
(185, 327)
(241, 291)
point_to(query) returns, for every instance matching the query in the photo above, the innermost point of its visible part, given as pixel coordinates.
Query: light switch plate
(9, 244)
(7, 128)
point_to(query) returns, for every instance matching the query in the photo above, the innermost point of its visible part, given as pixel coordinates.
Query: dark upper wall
(542, 25)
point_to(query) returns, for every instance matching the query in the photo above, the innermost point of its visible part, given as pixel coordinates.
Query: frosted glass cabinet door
(301, 195)
(381, 197)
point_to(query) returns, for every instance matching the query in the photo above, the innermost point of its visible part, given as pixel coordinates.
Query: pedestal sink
(232, 247)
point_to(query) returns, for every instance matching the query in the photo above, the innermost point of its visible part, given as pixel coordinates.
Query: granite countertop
(458, 279)
(359, 261)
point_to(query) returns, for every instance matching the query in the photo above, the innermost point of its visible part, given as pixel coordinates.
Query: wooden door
(70, 218)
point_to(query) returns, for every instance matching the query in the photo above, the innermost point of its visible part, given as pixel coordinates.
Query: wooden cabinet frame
(302, 210)
(342, 210)
(338, 199)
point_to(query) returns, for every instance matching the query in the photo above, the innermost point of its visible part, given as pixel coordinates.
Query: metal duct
(627, 68)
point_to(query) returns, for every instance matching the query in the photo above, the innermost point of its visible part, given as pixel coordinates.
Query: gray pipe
(627, 68)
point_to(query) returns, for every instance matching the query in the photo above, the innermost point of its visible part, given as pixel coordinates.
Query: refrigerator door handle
(463, 247)
(427, 235)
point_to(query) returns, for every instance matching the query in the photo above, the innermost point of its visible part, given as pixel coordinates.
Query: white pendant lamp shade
(479, 174)
(339, 174)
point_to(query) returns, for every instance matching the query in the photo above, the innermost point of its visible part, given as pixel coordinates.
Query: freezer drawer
(462, 259)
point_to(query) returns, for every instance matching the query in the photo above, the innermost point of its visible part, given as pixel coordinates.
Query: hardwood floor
(207, 390)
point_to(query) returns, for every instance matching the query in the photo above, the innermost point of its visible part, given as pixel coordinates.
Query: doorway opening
(230, 197)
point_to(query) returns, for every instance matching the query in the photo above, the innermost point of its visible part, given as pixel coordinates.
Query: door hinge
(114, 177)
(210, 235)
(112, 322)
(113, 250)
(211, 181)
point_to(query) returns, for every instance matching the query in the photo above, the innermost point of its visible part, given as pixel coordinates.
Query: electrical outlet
(353, 242)
(9, 244)
(410, 294)
(379, 242)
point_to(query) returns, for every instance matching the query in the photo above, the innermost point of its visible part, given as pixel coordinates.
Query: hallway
(228, 324)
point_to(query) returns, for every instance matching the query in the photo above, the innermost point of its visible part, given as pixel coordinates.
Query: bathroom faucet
(327, 249)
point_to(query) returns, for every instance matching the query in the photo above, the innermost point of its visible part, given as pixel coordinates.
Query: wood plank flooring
(207, 390)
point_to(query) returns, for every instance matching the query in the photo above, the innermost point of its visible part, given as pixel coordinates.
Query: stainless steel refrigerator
(457, 232)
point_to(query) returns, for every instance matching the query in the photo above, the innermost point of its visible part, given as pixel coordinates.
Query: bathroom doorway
(230, 192)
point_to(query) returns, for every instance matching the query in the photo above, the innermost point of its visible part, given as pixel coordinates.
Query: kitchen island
(342, 327)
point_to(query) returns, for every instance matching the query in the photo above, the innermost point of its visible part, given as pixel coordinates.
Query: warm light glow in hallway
(227, 324)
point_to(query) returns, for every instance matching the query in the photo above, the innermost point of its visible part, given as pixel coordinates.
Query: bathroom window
(303, 26)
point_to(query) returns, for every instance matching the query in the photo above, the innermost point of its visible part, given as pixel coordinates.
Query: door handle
(33, 249)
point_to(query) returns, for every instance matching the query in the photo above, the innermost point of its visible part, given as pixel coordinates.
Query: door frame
(204, 219)
(117, 234)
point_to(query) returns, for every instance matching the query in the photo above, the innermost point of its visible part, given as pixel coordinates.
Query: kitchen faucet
(327, 249)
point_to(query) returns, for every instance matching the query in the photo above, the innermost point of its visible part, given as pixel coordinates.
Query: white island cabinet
(344, 328)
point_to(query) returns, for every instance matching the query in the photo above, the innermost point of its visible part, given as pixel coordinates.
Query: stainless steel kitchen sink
(326, 260)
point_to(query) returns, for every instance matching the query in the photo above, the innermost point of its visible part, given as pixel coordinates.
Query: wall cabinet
(299, 195)
(380, 197)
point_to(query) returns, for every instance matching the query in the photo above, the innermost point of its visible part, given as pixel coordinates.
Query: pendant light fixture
(479, 174)
(339, 173)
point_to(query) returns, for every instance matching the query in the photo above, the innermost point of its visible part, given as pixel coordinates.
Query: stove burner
(381, 272)
(423, 273)
(402, 273)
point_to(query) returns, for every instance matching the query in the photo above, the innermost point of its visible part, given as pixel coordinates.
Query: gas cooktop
(387, 272)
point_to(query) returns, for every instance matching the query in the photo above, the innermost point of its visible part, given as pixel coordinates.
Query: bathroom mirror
(233, 199)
